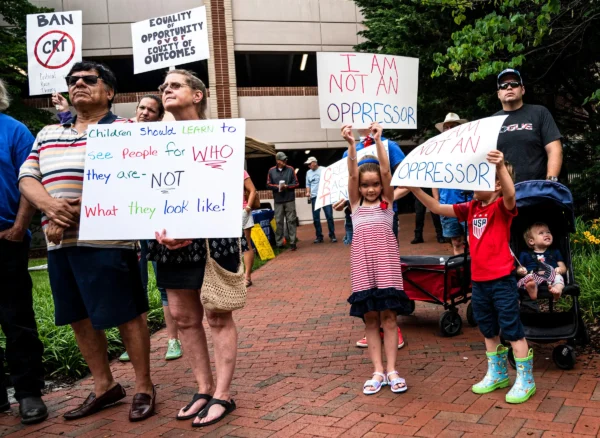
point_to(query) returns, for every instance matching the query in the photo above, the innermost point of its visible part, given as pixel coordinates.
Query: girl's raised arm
(353, 193)
(384, 163)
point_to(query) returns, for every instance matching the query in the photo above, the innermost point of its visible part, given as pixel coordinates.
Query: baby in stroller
(541, 264)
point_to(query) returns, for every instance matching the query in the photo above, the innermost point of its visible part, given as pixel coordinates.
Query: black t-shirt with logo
(523, 138)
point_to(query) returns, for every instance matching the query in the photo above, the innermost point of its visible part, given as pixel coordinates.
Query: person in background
(313, 177)
(96, 285)
(283, 181)
(23, 347)
(529, 137)
(420, 211)
(247, 224)
(451, 228)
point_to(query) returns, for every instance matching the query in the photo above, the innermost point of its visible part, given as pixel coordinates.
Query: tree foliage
(462, 45)
(13, 62)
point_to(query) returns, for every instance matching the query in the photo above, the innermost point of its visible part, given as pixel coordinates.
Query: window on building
(127, 82)
(276, 69)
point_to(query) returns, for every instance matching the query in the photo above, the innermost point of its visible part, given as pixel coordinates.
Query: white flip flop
(397, 381)
(374, 383)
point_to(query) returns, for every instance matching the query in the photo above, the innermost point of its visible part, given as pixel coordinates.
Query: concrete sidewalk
(299, 373)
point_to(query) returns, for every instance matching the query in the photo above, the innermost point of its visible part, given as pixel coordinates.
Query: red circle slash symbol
(61, 36)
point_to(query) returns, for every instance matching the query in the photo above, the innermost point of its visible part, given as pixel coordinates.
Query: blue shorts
(496, 307)
(451, 227)
(103, 285)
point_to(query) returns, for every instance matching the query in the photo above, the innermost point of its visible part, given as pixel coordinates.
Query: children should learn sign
(170, 40)
(333, 185)
(53, 46)
(361, 88)
(455, 159)
(185, 177)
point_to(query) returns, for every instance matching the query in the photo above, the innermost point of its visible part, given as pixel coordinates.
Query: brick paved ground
(299, 373)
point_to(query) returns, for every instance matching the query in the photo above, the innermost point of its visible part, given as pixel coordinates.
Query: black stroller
(551, 203)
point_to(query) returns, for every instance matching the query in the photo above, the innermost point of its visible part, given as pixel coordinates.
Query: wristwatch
(552, 178)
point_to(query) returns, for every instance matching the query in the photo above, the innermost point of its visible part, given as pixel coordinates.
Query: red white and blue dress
(375, 263)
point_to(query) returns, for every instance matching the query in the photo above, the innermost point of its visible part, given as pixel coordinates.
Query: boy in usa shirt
(495, 295)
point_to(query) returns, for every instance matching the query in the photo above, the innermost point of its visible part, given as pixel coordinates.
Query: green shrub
(586, 265)
(61, 354)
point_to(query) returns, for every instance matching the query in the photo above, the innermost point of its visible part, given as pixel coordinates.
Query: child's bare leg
(491, 344)
(390, 341)
(520, 348)
(372, 323)
(532, 289)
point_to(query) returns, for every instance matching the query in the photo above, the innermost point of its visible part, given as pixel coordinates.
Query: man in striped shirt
(96, 285)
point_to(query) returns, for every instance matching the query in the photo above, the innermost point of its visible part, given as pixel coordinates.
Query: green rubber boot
(497, 373)
(524, 386)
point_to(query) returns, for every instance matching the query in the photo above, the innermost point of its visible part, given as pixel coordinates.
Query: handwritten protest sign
(361, 88)
(455, 159)
(185, 177)
(264, 248)
(333, 185)
(170, 40)
(53, 46)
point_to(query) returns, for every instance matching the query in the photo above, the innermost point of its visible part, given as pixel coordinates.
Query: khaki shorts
(247, 220)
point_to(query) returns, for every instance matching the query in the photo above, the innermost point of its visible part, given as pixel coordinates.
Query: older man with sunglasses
(95, 285)
(529, 137)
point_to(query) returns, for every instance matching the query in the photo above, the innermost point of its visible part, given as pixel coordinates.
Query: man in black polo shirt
(529, 137)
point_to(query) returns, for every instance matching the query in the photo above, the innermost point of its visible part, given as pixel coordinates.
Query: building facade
(262, 66)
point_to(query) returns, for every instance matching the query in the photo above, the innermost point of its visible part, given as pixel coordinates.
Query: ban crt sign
(53, 46)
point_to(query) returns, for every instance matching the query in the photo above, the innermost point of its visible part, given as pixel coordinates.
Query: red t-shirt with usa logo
(489, 237)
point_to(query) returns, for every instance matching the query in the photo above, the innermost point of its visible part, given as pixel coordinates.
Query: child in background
(539, 238)
(495, 295)
(376, 274)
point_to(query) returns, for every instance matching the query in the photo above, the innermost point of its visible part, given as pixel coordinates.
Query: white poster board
(455, 159)
(53, 46)
(333, 185)
(185, 177)
(361, 88)
(170, 40)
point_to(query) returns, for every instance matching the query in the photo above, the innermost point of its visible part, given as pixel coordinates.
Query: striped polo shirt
(57, 160)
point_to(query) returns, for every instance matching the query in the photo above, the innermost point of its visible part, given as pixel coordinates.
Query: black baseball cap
(509, 71)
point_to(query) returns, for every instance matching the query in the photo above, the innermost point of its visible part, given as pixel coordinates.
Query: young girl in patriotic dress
(377, 289)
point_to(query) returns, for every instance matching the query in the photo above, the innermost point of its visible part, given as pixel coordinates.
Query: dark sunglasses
(512, 84)
(87, 79)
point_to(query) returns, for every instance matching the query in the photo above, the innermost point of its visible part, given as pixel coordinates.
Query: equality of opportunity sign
(361, 88)
(53, 46)
(333, 185)
(455, 159)
(171, 40)
(185, 177)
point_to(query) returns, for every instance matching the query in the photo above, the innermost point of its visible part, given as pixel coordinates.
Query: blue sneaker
(497, 373)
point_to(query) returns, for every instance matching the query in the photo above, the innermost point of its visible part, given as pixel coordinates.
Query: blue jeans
(144, 272)
(317, 219)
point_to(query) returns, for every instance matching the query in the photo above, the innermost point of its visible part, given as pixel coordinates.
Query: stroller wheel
(564, 357)
(450, 323)
(511, 358)
(470, 316)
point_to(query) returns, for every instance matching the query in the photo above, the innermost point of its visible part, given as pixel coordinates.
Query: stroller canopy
(536, 193)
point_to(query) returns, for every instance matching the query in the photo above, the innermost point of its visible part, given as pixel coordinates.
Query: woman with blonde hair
(180, 270)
